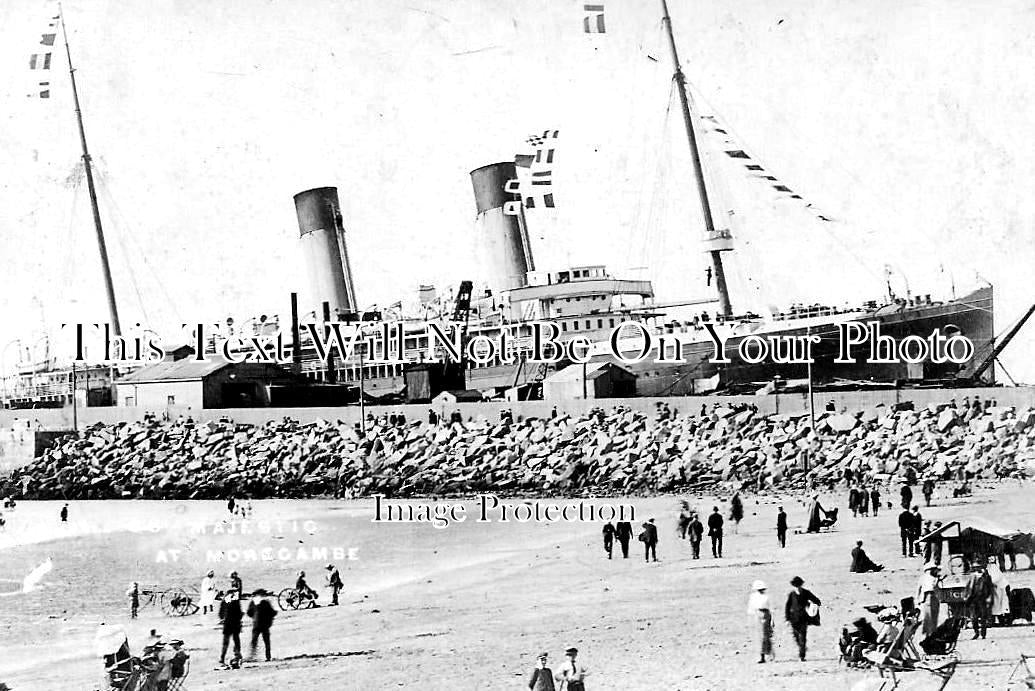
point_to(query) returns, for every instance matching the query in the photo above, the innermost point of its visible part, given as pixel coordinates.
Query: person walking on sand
(262, 613)
(542, 676)
(759, 607)
(609, 538)
(572, 675)
(736, 512)
(232, 616)
(801, 611)
(781, 527)
(624, 531)
(715, 532)
(64, 513)
(334, 583)
(696, 530)
(649, 536)
(208, 593)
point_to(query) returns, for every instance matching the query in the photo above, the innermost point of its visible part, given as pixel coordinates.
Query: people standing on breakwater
(715, 532)
(649, 537)
(760, 608)
(624, 531)
(609, 538)
(736, 512)
(696, 530)
(801, 611)
(542, 676)
(781, 527)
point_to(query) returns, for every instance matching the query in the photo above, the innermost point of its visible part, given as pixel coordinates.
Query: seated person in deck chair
(943, 639)
(861, 563)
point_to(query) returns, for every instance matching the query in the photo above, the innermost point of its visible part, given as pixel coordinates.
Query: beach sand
(470, 606)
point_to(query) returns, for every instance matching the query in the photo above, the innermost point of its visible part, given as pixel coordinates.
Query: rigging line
(119, 238)
(117, 210)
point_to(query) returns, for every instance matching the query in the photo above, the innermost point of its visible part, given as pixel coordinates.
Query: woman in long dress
(208, 593)
(759, 607)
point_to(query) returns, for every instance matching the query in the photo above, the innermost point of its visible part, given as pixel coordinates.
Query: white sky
(910, 121)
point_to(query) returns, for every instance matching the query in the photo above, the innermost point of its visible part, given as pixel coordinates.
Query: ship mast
(716, 241)
(101, 245)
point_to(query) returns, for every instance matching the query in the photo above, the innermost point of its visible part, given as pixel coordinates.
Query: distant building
(216, 383)
(454, 397)
(593, 380)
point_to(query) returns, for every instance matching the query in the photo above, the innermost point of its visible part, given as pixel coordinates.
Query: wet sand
(471, 605)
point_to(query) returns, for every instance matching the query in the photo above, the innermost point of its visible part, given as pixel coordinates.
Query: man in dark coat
(334, 582)
(917, 528)
(232, 616)
(781, 527)
(861, 563)
(853, 501)
(715, 531)
(609, 538)
(905, 531)
(864, 502)
(928, 489)
(907, 496)
(696, 530)
(261, 610)
(796, 613)
(650, 540)
(623, 532)
(875, 500)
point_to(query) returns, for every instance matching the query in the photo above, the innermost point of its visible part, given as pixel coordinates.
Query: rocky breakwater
(603, 452)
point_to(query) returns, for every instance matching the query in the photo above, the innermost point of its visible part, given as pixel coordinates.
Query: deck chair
(942, 640)
(901, 653)
(1026, 666)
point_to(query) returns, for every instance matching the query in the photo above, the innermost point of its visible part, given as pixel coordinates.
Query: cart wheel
(288, 599)
(176, 602)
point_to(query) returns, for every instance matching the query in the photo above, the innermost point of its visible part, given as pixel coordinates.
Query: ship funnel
(501, 229)
(323, 242)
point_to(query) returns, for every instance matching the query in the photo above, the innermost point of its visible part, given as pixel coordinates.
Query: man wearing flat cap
(571, 674)
(796, 611)
(542, 676)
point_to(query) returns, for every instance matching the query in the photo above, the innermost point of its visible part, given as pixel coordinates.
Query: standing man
(781, 527)
(907, 496)
(853, 501)
(624, 531)
(64, 513)
(261, 610)
(796, 611)
(609, 538)
(134, 599)
(875, 499)
(684, 520)
(715, 532)
(917, 529)
(650, 540)
(334, 582)
(928, 489)
(905, 531)
(232, 616)
(571, 672)
(542, 676)
(864, 501)
(696, 530)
